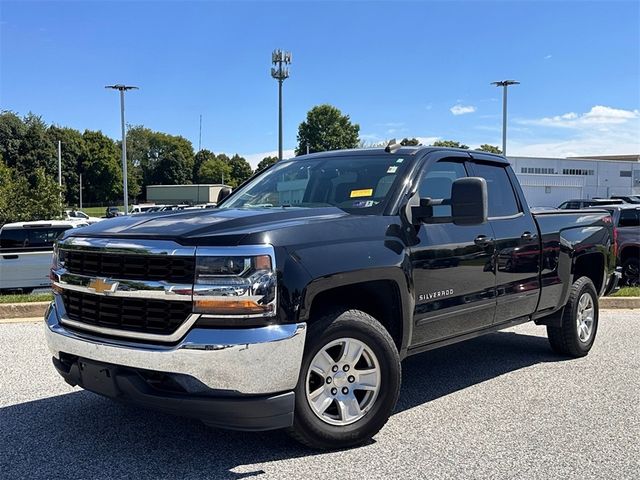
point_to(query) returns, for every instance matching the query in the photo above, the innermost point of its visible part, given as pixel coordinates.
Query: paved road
(502, 406)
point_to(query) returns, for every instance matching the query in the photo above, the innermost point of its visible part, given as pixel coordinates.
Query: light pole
(280, 72)
(122, 89)
(504, 84)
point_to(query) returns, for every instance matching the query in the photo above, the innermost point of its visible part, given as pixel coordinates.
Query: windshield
(356, 184)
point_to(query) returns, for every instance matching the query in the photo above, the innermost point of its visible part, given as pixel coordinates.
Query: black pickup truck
(293, 303)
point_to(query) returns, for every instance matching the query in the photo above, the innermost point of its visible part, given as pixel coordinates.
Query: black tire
(565, 339)
(27, 291)
(308, 428)
(631, 272)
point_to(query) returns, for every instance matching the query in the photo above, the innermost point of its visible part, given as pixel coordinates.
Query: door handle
(10, 257)
(527, 236)
(483, 241)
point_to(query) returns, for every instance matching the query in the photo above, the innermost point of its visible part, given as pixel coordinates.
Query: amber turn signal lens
(262, 262)
(230, 307)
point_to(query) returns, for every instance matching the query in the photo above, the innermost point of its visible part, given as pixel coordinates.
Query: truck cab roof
(409, 151)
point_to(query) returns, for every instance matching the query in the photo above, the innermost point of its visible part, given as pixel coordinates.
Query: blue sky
(397, 68)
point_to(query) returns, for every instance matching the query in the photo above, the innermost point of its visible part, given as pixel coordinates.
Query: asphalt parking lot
(501, 406)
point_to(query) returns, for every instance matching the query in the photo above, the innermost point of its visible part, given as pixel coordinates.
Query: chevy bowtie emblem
(102, 285)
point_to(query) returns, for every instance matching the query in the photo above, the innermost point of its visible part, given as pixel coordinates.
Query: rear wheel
(631, 272)
(349, 381)
(579, 321)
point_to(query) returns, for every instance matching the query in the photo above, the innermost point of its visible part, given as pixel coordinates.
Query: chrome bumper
(260, 360)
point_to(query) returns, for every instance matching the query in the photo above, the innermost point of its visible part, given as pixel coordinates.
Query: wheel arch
(381, 294)
(592, 265)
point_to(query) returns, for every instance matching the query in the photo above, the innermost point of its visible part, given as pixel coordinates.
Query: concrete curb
(23, 310)
(619, 302)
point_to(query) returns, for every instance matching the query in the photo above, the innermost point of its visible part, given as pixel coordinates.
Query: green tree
(102, 179)
(265, 162)
(215, 170)
(73, 152)
(240, 170)
(326, 128)
(42, 202)
(489, 148)
(200, 158)
(36, 149)
(20, 202)
(12, 133)
(410, 142)
(151, 153)
(450, 144)
(6, 191)
(172, 168)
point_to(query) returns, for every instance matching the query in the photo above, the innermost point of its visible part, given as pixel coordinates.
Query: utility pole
(80, 191)
(60, 165)
(200, 135)
(122, 89)
(60, 172)
(504, 84)
(280, 72)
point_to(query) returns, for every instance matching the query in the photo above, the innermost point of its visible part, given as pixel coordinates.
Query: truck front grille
(169, 268)
(133, 314)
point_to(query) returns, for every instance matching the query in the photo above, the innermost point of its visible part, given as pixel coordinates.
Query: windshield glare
(357, 184)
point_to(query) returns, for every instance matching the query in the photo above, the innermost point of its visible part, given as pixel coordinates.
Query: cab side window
(437, 182)
(629, 218)
(502, 198)
(11, 239)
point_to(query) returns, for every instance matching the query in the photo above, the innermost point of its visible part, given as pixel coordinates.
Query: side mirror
(223, 193)
(469, 204)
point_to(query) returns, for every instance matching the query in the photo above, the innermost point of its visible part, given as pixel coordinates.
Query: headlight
(235, 285)
(55, 258)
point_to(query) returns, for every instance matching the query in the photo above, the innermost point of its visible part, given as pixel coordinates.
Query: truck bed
(565, 234)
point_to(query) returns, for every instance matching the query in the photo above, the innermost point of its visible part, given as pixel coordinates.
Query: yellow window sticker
(365, 192)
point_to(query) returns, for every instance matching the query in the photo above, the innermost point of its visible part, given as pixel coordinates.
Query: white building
(191, 194)
(547, 182)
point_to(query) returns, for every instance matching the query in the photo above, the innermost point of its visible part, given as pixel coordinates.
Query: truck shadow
(439, 372)
(82, 435)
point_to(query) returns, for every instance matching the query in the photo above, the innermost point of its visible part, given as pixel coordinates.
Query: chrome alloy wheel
(343, 381)
(584, 317)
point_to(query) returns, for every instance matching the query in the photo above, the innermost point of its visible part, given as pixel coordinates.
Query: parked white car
(80, 216)
(135, 209)
(25, 253)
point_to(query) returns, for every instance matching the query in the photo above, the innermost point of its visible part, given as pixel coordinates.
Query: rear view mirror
(469, 204)
(223, 193)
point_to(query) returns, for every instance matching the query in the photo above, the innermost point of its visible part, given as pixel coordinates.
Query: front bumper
(234, 376)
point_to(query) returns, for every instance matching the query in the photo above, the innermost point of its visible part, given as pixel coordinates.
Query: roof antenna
(392, 146)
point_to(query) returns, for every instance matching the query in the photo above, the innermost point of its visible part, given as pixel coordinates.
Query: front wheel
(579, 321)
(349, 381)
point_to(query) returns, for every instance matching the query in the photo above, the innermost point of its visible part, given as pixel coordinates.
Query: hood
(228, 226)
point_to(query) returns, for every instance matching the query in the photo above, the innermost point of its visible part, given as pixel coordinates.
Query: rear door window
(502, 198)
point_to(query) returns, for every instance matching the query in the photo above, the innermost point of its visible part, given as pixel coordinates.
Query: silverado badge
(433, 295)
